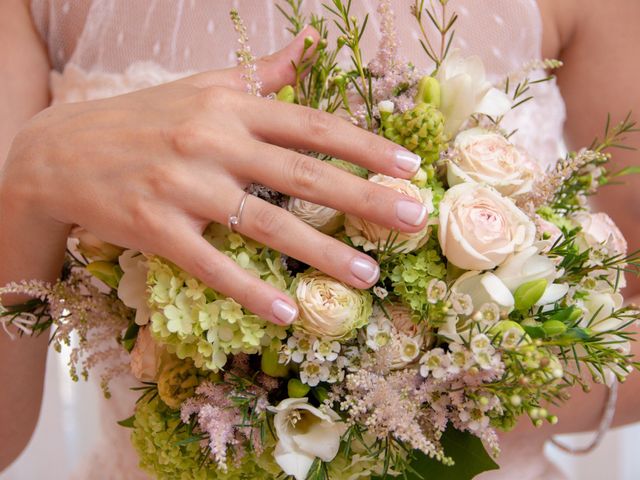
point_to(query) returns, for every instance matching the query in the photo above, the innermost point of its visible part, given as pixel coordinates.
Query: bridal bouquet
(510, 294)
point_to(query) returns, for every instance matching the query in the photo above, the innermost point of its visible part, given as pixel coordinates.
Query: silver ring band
(234, 220)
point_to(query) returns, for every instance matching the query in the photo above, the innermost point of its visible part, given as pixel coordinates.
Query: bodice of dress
(101, 48)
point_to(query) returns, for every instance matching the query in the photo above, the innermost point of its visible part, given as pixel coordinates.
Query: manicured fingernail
(284, 312)
(407, 161)
(365, 270)
(411, 213)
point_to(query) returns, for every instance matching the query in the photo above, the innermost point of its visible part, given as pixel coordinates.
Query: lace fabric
(101, 48)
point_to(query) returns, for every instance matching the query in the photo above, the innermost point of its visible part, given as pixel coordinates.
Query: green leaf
(633, 170)
(127, 422)
(128, 340)
(466, 450)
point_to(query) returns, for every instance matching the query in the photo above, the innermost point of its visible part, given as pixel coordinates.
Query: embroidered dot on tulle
(462, 43)
(120, 38)
(496, 51)
(156, 48)
(66, 7)
(499, 20)
(187, 53)
(210, 27)
(462, 10)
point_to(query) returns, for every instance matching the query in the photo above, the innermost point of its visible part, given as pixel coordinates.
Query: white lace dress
(101, 48)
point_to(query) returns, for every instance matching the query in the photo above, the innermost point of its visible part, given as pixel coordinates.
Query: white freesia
(322, 218)
(92, 247)
(484, 288)
(489, 158)
(371, 236)
(479, 228)
(304, 434)
(132, 289)
(465, 90)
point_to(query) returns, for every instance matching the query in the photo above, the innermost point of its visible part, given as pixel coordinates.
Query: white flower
(598, 307)
(92, 247)
(465, 91)
(409, 349)
(312, 372)
(435, 363)
(600, 231)
(328, 308)
(380, 292)
(489, 158)
(132, 289)
(436, 290)
(378, 333)
(304, 434)
(485, 288)
(462, 303)
(527, 266)
(370, 236)
(322, 218)
(326, 350)
(479, 228)
(481, 343)
(299, 347)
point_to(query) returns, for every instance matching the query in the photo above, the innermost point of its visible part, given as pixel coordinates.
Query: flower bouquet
(510, 294)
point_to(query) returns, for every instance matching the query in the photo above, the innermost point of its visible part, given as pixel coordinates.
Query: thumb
(274, 71)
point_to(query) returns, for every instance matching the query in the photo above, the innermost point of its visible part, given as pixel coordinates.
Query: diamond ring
(234, 220)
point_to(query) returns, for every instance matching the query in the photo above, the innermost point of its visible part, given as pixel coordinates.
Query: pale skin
(148, 143)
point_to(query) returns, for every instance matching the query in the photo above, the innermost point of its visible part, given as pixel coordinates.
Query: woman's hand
(151, 169)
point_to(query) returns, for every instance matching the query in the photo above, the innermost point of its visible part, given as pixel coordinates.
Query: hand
(151, 169)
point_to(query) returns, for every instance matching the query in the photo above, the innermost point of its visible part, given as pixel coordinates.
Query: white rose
(479, 228)
(598, 307)
(132, 289)
(489, 158)
(465, 91)
(146, 357)
(371, 236)
(322, 218)
(304, 434)
(328, 308)
(599, 230)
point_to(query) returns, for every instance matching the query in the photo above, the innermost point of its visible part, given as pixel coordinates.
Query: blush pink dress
(101, 48)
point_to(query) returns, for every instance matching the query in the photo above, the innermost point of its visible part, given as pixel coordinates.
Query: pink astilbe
(386, 58)
(79, 309)
(221, 420)
(246, 59)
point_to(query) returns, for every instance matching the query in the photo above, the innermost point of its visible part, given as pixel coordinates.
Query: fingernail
(284, 312)
(365, 270)
(411, 213)
(407, 161)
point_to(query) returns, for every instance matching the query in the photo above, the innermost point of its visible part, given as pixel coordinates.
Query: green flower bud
(429, 91)
(270, 365)
(341, 41)
(286, 94)
(108, 272)
(553, 328)
(308, 42)
(503, 325)
(515, 400)
(297, 389)
(527, 294)
(321, 394)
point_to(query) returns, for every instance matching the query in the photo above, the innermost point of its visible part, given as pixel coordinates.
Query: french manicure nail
(365, 270)
(411, 213)
(284, 312)
(407, 161)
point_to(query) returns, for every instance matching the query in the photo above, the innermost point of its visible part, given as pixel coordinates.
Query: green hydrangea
(420, 130)
(411, 273)
(165, 453)
(196, 322)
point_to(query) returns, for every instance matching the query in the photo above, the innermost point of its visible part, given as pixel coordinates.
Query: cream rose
(371, 236)
(322, 218)
(489, 158)
(479, 228)
(465, 90)
(146, 357)
(328, 308)
(600, 231)
(305, 433)
(598, 307)
(132, 289)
